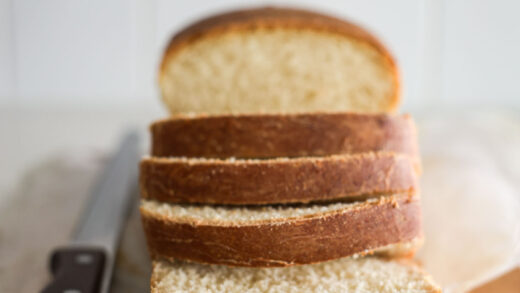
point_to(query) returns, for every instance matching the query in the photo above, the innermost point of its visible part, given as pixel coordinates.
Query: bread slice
(291, 135)
(276, 181)
(284, 235)
(367, 274)
(277, 60)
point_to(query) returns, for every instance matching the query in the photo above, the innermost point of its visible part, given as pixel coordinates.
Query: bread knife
(86, 264)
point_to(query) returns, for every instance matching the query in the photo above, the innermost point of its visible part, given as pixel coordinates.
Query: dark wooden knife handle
(76, 270)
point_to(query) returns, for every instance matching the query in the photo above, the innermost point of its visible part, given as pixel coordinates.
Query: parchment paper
(470, 196)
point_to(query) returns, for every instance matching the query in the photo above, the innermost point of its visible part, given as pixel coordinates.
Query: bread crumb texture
(346, 275)
(237, 215)
(278, 70)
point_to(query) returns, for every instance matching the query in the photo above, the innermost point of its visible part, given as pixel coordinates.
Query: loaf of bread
(367, 274)
(282, 168)
(273, 236)
(277, 60)
(291, 135)
(276, 181)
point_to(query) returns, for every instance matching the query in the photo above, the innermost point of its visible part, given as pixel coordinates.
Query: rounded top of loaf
(269, 18)
(274, 19)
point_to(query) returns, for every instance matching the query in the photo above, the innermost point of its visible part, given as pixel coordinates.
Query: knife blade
(86, 264)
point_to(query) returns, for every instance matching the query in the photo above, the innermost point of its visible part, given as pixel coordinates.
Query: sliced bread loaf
(276, 181)
(277, 60)
(291, 135)
(284, 235)
(368, 274)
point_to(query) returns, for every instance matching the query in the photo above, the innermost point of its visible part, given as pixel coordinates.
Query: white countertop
(29, 135)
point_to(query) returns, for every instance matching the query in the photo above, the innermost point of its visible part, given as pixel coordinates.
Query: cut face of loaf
(368, 274)
(277, 60)
(290, 135)
(276, 181)
(284, 235)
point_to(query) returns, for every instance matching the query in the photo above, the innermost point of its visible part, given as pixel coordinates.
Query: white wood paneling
(431, 60)
(481, 47)
(146, 50)
(7, 79)
(69, 50)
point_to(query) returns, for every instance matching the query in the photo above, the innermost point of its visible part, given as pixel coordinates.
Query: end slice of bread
(277, 60)
(367, 274)
(276, 181)
(284, 235)
(277, 135)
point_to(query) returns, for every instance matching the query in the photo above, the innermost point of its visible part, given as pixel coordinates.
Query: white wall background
(59, 53)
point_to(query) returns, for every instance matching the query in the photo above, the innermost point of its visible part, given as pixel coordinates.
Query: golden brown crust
(276, 18)
(303, 240)
(283, 135)
(276, 181)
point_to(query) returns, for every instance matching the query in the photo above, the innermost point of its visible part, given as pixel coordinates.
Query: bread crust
(279, 18)
(283, 135)
(276, 181)
(304, 240)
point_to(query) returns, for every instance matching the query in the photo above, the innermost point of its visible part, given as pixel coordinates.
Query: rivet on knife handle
(76, 270)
